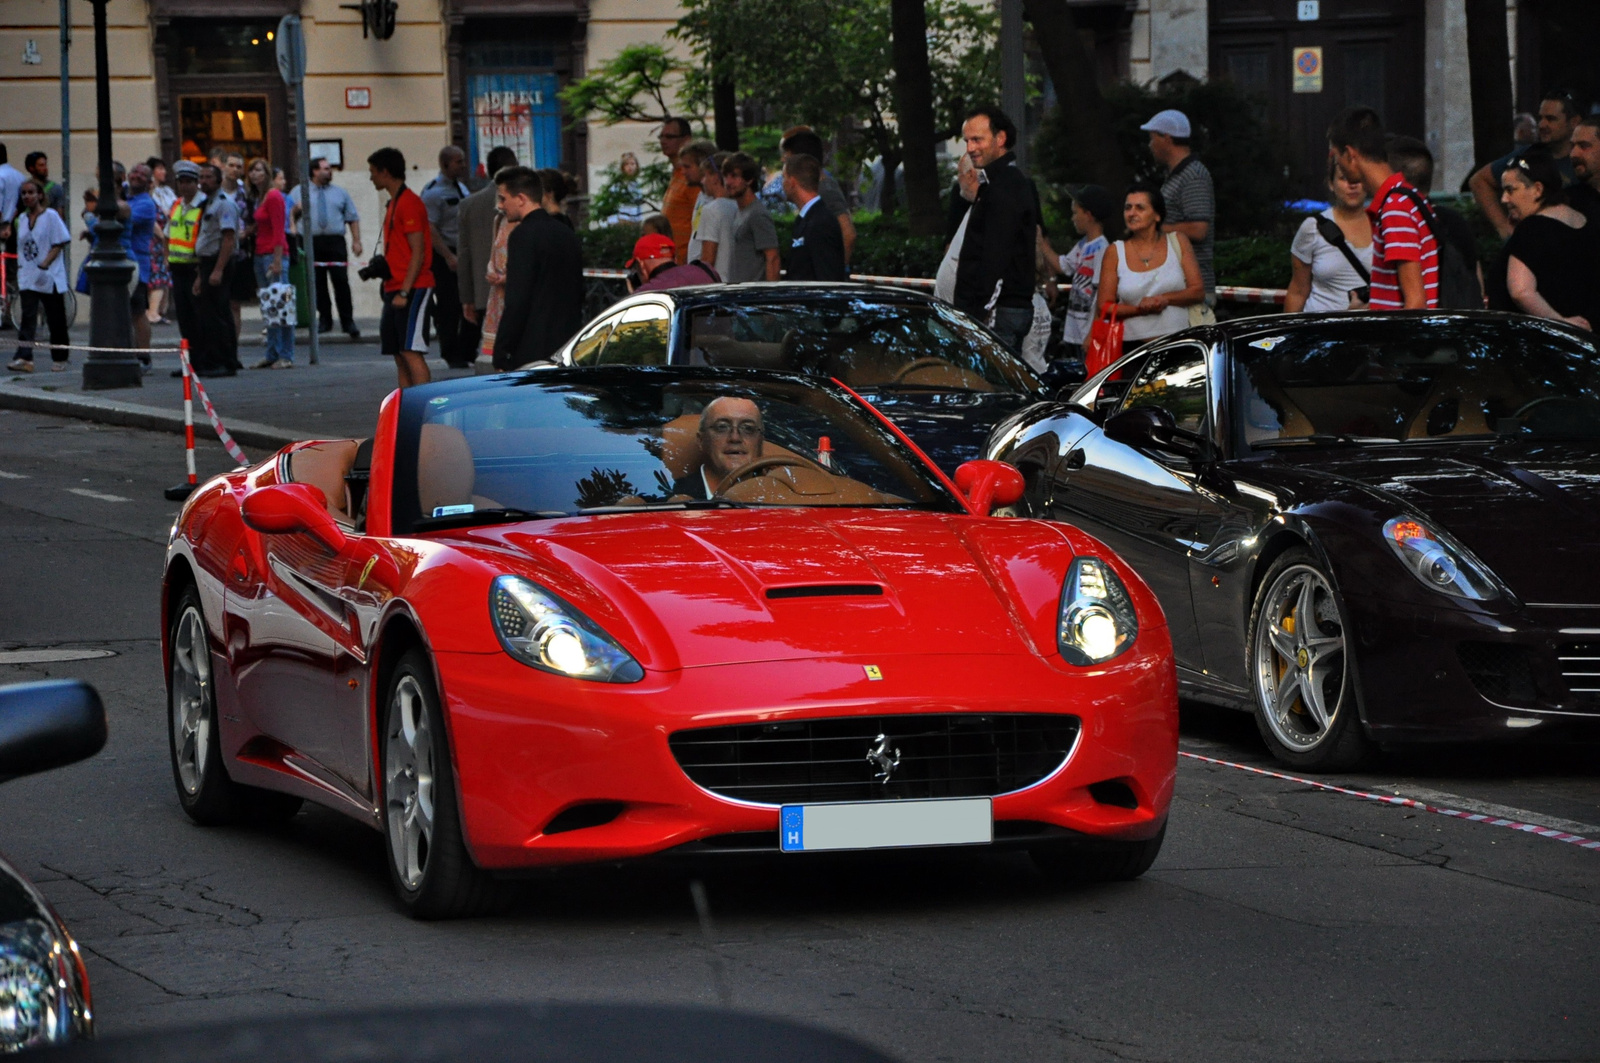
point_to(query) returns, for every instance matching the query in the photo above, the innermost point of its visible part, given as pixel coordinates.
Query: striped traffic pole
(183, 490)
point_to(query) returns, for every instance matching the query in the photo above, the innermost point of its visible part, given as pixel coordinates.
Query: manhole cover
(51, 656)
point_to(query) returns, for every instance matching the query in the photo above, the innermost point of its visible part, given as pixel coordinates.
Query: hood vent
(826, 590)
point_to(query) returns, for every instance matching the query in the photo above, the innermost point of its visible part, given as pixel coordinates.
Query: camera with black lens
(376, 270)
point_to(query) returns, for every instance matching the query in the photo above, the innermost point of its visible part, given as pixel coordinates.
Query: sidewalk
(339, 397)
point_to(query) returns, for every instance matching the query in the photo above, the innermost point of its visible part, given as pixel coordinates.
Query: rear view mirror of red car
(286, 509)
(989, 484)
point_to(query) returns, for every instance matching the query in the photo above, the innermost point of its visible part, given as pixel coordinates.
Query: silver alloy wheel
(408, 781)
(1300, 671)
(190, 700)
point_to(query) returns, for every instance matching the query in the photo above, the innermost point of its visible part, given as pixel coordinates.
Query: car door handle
(1076, 459)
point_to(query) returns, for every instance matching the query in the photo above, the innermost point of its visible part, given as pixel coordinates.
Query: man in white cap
(1191, 197)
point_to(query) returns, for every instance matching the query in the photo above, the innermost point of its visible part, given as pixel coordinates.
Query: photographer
(403, 267)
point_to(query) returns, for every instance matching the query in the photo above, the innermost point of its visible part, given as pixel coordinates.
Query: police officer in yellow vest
(183, 226)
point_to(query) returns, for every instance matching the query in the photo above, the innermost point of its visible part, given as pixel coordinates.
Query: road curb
(133, 415)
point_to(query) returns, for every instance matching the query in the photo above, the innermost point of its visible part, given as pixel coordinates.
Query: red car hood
(720, 587)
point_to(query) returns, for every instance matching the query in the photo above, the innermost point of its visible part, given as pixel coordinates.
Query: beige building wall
(30, 94)
(613, 26)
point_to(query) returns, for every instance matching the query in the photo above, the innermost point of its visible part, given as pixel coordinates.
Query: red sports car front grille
(932, 755)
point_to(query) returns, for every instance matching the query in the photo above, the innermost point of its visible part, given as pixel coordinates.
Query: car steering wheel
(744, 472)
(919, 363)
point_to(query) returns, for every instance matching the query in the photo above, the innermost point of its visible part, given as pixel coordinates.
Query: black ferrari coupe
(1363, 528)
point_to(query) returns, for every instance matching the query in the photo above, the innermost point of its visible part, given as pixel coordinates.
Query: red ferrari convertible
(581, 615)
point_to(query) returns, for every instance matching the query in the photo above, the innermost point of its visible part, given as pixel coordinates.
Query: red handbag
(1105, 341)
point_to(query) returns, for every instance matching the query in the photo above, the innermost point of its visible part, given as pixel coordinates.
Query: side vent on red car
(826, 590)
(1114, 792)
(589, 814)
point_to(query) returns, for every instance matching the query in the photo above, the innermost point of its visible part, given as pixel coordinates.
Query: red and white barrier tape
(211, 411)
(1407, 802)
(106, 350)
(1235, 294)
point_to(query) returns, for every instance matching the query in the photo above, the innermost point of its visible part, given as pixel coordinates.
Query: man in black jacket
(817, 253)
(994, 275)
(544, 275)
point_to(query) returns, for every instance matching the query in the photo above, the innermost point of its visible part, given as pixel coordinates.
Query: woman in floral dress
(495, 274)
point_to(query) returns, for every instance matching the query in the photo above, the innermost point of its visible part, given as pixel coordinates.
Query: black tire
(1296, 734)
(205, 791)
(1085, 862)
(432, 872)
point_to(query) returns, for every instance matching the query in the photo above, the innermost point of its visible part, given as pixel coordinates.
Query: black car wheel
(1306, 701)
(1084, 862)
(432, 872)
(207, 794)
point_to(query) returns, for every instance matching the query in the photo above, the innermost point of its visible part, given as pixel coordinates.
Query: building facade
(189, 76)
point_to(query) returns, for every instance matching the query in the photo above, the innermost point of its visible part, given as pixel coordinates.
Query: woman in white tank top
(1153, 278)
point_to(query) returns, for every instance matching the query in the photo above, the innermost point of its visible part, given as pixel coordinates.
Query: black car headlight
(1097, 620)
(539, 629)
(38, 975)
(1439, 561)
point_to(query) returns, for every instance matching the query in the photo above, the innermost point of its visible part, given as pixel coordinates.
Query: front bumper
(1461, 674)
(529, 746)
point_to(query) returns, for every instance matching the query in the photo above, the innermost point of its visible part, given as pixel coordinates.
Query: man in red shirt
(408, 249)
(1405, 254)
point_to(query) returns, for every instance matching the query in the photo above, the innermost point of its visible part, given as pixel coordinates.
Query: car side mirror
(988, 485)
(285, 509)
(48, 725)
(1142, 426)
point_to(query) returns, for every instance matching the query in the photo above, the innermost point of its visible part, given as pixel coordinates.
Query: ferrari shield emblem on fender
(874, 673)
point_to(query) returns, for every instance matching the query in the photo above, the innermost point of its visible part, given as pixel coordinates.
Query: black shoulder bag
(1329, 230)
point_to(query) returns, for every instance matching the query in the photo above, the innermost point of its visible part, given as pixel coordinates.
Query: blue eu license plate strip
(885, 824)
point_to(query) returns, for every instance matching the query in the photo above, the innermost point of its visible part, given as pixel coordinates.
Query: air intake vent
(933, 755)
(827, 590)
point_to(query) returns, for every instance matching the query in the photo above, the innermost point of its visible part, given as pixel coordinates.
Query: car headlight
(1097, 619)
(539, 629)
(1439, 561)
(38, 1005)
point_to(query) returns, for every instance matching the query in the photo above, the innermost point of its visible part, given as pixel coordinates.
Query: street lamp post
(108, 268)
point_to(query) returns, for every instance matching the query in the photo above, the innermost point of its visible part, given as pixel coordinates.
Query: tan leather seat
(324, 466)
(446, 474)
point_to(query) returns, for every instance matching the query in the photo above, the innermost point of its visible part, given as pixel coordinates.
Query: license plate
(886, 824)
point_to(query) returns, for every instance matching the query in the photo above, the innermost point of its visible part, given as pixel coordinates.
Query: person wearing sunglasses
(1550, 266)
(731, 436)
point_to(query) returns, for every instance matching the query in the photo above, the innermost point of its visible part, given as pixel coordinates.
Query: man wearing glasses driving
(730, 438)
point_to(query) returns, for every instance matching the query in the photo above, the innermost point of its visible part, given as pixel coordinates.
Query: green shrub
(608, 246)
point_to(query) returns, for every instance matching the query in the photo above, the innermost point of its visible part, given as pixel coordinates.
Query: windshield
(871, 344)
(558, 443)
(1415, 380)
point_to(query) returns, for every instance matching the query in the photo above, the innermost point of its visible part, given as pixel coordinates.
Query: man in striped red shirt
(1405, 253)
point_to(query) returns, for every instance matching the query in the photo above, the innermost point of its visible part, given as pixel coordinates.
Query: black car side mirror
(1153, 428)
(48, 725)
(1142, 426)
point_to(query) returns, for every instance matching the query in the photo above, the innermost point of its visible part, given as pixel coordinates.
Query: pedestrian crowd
(494, 268)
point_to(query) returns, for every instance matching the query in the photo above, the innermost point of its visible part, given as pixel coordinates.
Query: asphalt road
(1280, 922)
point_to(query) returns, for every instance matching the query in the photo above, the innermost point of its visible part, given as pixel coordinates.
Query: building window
(206, 46)
(229, 123)
(511, 81)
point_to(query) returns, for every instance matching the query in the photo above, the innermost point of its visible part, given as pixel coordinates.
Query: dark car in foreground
(1362, 528)
(942, 377)
(44, 988)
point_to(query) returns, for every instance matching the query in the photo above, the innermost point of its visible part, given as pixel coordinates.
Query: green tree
(830, 64)
(633, 86)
